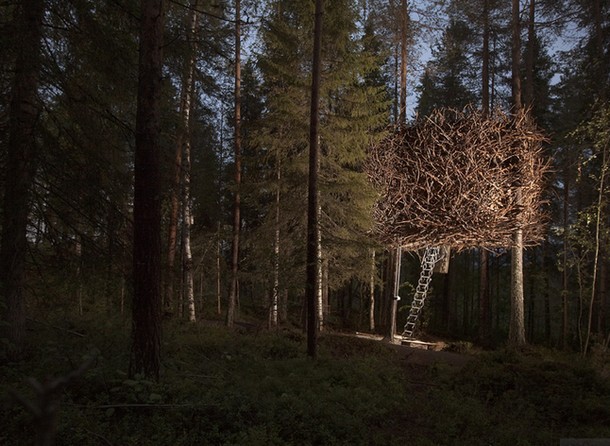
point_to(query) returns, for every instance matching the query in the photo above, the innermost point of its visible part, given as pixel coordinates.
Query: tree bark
(404, 23)
(530, 56)
(396, 290)
(564, 275)
(275, 294)
(313, 207)
(516, 330)
(24, 110)
(146, 311)
(485, 60)
(233, 289)
(372, 293)
(185, 128)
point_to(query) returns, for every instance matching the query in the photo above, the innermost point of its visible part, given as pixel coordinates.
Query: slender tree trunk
(516, 331)
(218, 287)
(146, 309)
(275, 295)
(564, 276)
(78, 273)
(233, 289)
(396, 290)
(372, 293)
(516, 58)
(404, 23)
(24, 110)
(187, 222)
(546, 294)
(484, 314)
(485, 59)
(185, 128)
(320, 284)
(530, 56)
(598, 237)
(172, 231)
(313, 208)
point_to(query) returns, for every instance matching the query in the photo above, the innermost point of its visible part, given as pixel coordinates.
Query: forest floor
(253, 387)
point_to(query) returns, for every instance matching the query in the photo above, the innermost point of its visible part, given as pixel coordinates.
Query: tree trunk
(598, 241)
(530, 56)
(485, 60)
(564, 275)
(396, 290)
(516, 330)
(484, 314)
(313, 208)
(218, 287)
(146, 309)
(187, 222)
(233, 289)
(24, 110)
(404, 23)
(516, 58)
(185, 129)
(275, 295)
(320, 284)
(372, 293)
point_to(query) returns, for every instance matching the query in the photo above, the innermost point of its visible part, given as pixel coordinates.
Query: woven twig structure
(460, 179)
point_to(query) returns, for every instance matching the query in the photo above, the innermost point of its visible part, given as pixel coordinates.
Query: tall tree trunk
(564, 275)
(146, 308)
(218, 287)
(530, 56)
(372, 293)
(484, 315)
(485, 60)
(516, 330)
(404, 23)
(320, 284)
(172, 230)
(598, 240)
(185, 128)
(313, 207)
(234, 288)
(187, 222)
(24, 110)
(275, 295)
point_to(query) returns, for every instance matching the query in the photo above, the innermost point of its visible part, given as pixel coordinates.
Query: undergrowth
(221, 387)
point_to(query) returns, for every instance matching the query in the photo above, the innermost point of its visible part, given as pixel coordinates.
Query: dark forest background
(77, 251)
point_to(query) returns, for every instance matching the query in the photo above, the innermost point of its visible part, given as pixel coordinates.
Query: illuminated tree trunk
(396, 290)
(516, 329)
(24, 111)
(187, 200)
(313, 208)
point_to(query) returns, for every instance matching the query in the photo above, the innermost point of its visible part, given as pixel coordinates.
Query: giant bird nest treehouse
(458, 179)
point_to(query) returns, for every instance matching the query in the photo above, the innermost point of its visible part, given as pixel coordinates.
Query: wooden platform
(421, 344)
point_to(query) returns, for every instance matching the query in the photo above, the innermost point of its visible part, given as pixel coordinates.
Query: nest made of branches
(461, 179)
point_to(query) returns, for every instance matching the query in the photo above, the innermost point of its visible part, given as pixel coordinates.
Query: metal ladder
(430, 258)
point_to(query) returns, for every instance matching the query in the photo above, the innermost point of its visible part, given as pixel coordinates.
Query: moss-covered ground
(221, 387)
